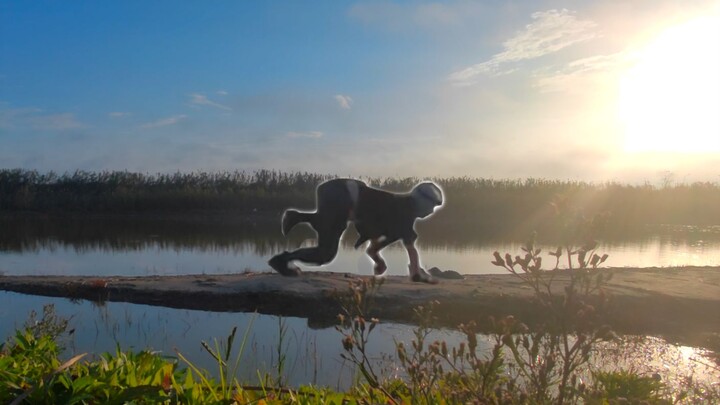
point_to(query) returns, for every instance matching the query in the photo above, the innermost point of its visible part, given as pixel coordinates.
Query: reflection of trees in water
(84, 234)
(261, 235)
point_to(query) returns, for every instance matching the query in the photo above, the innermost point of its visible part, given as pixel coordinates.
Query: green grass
(32, 372)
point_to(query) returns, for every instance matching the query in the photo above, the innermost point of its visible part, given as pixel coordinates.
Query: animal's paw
(420, 276)
(380, 269)
(280, 264)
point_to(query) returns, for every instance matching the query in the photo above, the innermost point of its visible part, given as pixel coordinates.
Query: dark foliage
(491, 203)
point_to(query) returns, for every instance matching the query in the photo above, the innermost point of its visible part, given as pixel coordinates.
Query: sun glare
(670, 99)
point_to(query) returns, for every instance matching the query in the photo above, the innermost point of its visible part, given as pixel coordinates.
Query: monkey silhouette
(379, 216)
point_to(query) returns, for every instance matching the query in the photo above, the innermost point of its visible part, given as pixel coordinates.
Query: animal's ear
(437, 194)
(427, 196)
(428, 191)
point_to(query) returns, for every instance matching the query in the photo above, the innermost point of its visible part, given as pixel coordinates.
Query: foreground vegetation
(33, 371)
(470, 201)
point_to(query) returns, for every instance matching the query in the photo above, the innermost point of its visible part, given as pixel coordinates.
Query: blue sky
(550, 89)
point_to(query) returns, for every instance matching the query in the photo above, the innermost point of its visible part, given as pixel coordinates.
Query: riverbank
(678, 302)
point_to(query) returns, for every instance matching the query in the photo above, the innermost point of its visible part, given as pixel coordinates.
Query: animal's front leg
(374, 252)
(416, 272)
(414, 258)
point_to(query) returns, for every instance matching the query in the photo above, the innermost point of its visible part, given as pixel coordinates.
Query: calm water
(102, 246)
(135, 246)
(312, 355)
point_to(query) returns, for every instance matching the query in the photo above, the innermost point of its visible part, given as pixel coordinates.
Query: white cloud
(164, 121)
(550, 32)
(12, 117)
(201, 99)
(345, 102)
(119, 114)
(599, 62)
(578, 72)
(36, 119)
(56, 122)
(221, 93)
(309, 134)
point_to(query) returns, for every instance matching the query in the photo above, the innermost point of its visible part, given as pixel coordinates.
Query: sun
(670, 98)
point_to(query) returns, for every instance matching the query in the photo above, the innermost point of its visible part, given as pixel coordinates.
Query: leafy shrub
(32, 372)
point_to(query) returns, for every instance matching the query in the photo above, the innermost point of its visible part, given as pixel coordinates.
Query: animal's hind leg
(292, 217)
(281, 264)
(327, 248)
(334, 203)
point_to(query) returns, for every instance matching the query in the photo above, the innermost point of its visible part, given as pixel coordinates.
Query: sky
(577, 90)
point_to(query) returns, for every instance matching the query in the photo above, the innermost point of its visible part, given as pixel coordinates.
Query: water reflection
(153, 245)
(312, 356)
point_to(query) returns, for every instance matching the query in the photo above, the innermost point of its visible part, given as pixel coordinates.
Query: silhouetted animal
(379, 216)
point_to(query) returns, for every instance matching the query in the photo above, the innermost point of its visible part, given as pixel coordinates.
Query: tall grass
(120, 191)
(489, 202)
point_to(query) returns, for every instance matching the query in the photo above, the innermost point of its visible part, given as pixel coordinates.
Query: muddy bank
(667, 301)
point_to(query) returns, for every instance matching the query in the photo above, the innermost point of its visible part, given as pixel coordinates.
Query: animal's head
(427, 196)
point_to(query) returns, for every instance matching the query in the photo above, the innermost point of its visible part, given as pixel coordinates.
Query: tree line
(469, 200)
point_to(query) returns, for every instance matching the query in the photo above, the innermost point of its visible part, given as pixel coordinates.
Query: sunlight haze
(670, 98)
(597, 91)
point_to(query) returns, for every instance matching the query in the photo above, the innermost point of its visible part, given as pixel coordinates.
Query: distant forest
(470, 201)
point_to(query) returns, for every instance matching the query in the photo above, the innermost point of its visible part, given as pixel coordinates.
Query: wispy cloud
(345, 102)
(12, 117)
(61, 121)
(119, 114)
(36, 119)
(221, 93)
(201, 99)
(164, 121)
(549, 32)
(571, 75)
(309, 134)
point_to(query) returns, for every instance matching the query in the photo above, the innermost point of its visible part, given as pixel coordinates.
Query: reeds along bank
(478, 201)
